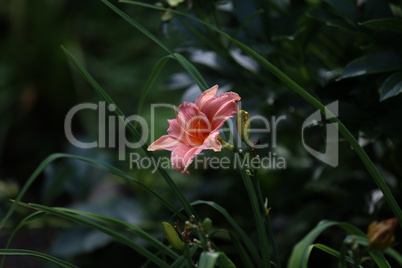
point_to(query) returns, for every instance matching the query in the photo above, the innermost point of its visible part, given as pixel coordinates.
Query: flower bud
(380, 235)
(173, 237)
(243, 126)
(174, 3)
(207, 224)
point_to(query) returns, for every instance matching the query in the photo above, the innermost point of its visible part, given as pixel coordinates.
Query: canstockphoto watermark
(270, 161)
(112, 130)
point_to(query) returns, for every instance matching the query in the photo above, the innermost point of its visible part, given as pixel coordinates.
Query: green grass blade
(342, 254)
(24, 252)
(375, 254)
(333, 252)
(299, 90)
(301, 252)
(257, 211)
(379, 258)
(129, 227)
(247, 21)
(119, 237)
(186, 64)
(107, 167)
(224, 261)
(25, 221)
(132, 130)
(191, 70)
(242, 252)
(206, 40)
(150, 81)
(26, 186)
(246, 240)
(394, 254)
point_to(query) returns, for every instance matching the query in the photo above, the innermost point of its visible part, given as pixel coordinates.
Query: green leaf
(241, 251)
(386, 24)
(23, 252)
(126, 226)
(373, 63)
(109, 168)
(392, 86)
(224, 261)
(262, 233)
(333, 252)
(24, 222)
(394, 254)
(301, 252)
(86, 222)
(375, 254)
(150, 81)
(184, 62)
(208, 259)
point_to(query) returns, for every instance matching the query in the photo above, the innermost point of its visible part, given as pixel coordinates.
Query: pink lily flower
(196, 127)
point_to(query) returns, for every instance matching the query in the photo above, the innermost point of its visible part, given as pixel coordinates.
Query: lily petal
(220, 108)
(165, 142)
(212, 142)
(182, 157)
(205, 96)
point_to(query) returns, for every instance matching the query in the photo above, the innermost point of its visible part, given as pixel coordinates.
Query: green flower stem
(225, 144)
(262, 235)
(267, 221)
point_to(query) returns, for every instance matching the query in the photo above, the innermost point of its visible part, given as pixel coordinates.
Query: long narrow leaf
(119, 237)
(186, 64)
(109, 168)
(23, 252)
(301, 252)
(129, 227)
(394, 254)
(242, 252)
(333, 252)
(262, 234)
(24, 222)
(150, 81)
(375, 254)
